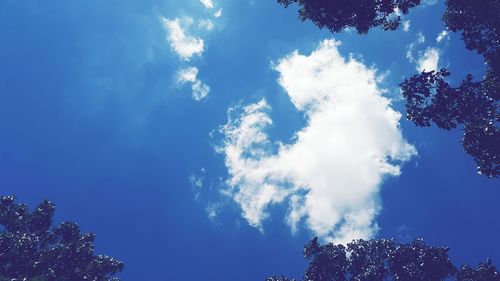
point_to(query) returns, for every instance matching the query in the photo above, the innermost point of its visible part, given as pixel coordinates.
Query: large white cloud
(330, 174)
(182, 43)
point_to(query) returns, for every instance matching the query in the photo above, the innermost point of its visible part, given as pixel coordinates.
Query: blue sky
(213, 142)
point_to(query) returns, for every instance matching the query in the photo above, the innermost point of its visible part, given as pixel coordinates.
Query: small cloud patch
(180, 41)
(443, 36)
(189, 75)
(429, 60)
(209, 4)
(406, 25)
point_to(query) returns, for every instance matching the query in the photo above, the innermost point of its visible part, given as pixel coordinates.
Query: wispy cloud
(429, 2)
(182, 43)
(206, 24)
(411, 47)
(443, 35)
(218, 14)
(406, 25)
(197, 180)
(190, 75)
(330, 175)
(213, 210)
(420, 38)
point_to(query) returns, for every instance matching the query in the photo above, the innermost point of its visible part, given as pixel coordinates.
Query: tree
(473, 105)
(30, 249)
(380, 260)
(484, 272)
(430, 99)
(359, 14)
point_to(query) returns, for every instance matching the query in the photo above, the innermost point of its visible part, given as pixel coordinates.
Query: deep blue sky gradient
(91, 118)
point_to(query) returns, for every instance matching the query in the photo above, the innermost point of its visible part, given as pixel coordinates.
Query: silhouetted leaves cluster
(380, 260)
(478, 22)
(430, 99)
(484, 272)
(360, 14)
(475, 105)
(31, 250)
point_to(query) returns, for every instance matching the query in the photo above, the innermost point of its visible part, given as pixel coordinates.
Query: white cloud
(186, 46)
(213, 210)
(429, 60)
(218, 14)
(209, 4)
(442, 36)
(406, 25)
(189, 75)
(196, 184)
(330, 175)
(206, 24)
(197, 181)
(183, 44)
(200, 90)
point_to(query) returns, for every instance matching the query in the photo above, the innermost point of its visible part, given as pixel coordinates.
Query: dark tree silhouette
(360, 14)
(381, 260)
(430, 99)
(31, 250)
(473, 105)
(478, 22)
(484, 272)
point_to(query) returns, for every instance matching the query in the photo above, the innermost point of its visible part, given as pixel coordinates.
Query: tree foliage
(473, 105)
(359, 14)
(430, 99)
(478, 22)
(484, 272)
(30, 249)
(380, 260)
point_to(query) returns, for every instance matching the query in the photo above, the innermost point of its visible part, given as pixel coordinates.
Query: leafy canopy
(359, 14)
(473, 104)
(31, 250)
(381, 260)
